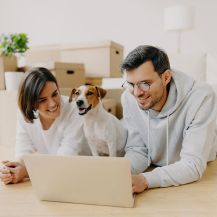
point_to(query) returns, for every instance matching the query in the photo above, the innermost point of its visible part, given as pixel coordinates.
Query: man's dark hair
(144, 53)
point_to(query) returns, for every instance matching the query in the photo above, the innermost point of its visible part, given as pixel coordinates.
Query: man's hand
(13, 172)
(139, 183)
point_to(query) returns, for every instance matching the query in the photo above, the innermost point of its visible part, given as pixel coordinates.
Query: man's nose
(136, 91)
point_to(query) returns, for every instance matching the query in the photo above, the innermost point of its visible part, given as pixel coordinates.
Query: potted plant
(13, 47)
(14, 44)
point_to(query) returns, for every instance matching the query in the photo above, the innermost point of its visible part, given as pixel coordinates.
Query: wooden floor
(197, 199)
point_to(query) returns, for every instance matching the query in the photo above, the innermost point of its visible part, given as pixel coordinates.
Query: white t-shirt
(64, 137)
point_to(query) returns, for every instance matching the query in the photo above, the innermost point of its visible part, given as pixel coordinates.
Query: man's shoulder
(127, 97)
(203, 89)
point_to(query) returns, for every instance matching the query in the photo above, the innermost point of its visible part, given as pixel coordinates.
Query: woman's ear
(166, 76)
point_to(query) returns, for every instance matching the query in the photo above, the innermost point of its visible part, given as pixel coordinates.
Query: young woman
(46, 123)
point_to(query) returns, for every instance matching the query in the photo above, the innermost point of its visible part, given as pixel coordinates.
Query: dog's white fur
(104, 132)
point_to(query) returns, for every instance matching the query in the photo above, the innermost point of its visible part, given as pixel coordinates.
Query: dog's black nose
(79, 102)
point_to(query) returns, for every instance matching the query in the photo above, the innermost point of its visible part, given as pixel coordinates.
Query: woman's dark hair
(144, 53)
(30, 90)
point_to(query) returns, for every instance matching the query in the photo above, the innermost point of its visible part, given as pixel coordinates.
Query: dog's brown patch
(91, 95)
(101, 92)
(72, 95)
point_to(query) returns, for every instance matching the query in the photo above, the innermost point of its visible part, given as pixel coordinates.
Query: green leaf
(14, 43)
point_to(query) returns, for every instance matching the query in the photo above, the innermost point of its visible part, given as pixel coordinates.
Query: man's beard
(152, 103)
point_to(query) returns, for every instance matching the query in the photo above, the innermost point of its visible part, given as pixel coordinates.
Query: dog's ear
(101, 92)
(72, 94)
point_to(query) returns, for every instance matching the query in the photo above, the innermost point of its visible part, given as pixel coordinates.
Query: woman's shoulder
(67, 108)
(64, 100)
(21, 121)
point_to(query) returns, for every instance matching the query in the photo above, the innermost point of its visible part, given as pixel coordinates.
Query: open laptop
(81, 179)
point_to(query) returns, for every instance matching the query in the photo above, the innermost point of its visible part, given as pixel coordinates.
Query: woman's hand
(13, 172)
(5, 175)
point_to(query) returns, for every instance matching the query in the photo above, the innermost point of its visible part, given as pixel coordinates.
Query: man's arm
(135, 149)
(198, 147)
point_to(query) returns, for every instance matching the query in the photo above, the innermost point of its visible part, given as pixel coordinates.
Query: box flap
(101, 44)
(66, 65)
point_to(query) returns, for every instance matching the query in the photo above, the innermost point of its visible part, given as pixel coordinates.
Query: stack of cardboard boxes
(100, 60)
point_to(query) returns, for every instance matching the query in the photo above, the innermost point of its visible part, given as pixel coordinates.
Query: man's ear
(166, 77)
(101, 92)
(72, 94)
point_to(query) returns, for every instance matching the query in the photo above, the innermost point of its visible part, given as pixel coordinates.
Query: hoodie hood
(180, 87)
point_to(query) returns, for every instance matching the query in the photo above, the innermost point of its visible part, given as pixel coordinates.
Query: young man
(171, 121)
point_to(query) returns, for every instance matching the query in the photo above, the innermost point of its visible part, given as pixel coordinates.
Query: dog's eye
(77, 93)
(89, 93)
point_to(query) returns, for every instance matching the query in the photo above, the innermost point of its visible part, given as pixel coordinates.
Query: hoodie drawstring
(167, 141)
(149, 155)
(167, 138)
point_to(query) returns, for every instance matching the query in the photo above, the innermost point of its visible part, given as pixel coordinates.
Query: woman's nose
(51, 102)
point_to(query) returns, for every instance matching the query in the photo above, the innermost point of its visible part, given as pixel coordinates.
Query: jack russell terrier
(104, 132)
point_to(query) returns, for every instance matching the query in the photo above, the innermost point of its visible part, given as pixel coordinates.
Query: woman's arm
(14, 172)
(23, 140)
(73, 137)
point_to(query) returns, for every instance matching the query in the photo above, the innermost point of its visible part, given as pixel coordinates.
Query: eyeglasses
(141, 85)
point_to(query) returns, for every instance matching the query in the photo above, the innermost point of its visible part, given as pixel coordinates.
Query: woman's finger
(7, 181)
(4, 177)
(5, 161)
(11, 164)
(4, 171)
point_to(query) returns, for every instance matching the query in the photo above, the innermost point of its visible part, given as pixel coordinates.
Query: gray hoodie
(180, 139)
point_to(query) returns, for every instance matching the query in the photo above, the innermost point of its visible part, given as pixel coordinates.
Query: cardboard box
(110, 106)
(93, 81)
(113, 83)
(6, 64)
(115, 94)
(42, 56)
(8, 117)
(100, 59)
(69, 75)
(66, 91)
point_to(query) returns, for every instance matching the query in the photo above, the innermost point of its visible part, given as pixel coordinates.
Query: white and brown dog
(104, 132)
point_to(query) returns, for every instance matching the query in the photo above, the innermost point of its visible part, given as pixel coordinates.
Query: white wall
(128, 22)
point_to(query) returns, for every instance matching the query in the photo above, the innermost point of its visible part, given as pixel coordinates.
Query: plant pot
(13, 80)
(7, 63)
(21, 60)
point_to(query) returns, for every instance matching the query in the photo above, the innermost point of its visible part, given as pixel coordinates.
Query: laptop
(81, 179)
